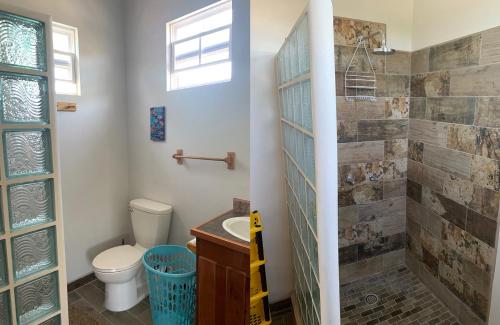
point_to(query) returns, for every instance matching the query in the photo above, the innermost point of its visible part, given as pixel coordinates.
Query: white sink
(238, 227)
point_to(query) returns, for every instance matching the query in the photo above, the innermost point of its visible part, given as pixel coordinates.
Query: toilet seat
(118, 259)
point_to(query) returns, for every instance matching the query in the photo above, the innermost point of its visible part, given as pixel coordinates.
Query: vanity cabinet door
(223, 285)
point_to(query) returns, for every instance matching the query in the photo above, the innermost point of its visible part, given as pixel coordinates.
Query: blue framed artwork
(157, 123)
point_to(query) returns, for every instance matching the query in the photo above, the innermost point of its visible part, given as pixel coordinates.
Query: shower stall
(391, 172)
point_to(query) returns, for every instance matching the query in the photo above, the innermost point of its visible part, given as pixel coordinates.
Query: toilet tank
(150, 222)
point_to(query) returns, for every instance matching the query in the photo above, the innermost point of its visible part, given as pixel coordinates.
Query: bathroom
(415, 191)
(118, 73)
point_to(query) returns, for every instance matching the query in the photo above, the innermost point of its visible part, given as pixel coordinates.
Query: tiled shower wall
(293, 68)
(454, 170)
(373, 146)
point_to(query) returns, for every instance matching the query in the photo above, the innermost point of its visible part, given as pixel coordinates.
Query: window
(199, 47)
(66, 59)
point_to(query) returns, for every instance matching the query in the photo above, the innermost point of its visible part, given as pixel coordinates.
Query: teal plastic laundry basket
(171, 275)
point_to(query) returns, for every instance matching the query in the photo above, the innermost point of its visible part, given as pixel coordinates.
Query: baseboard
(296, 309)
(81, 282)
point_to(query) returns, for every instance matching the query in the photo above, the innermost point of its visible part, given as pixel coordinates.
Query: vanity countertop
(214, 232)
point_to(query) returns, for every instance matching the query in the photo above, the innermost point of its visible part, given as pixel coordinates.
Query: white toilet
(120, 268)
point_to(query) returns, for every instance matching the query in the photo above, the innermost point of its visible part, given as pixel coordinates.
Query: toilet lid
(117, 259)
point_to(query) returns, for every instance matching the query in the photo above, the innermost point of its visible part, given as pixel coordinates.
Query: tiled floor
(403, 299)
(86, 307)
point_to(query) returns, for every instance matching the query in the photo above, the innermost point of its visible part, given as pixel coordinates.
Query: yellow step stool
(259, 294)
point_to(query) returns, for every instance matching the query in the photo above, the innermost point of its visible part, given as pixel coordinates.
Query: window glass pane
(63, 67)
(204, 21)
(201, 76)
(62, 42)
(187, 54)
(66, 87)
(215, 46)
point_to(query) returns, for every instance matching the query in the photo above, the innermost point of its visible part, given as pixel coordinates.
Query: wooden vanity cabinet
(223, 285)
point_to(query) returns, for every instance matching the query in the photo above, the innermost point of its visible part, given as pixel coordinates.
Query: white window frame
(196, 15)
(72, 33)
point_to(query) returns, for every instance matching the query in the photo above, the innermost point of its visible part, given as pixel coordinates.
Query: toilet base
(123, 296)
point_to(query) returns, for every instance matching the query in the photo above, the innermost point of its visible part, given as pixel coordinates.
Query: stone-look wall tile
(434, 133)
(395, 169)
(344, 54)
(348, 254)
(398, 63)
(451, 271)
(381, 246)
(420, 61)
(371, 110)
(415, 150)
(488, 112)
(347, 31)
(486, 172)
(477, 302)
(414, 171)
(413, 242)
(481, 227)
(471, 248)
(488, 143)
(485, 202)
(360, 152)
(450, 161)
(458, 189)
(389, 215)
(373, 130)
(364, 193)
(417, 107)
(396, 188)
(451, 109)
(490, 48)
(433, 178)
(476, 81)
(430, 84)
(346, 110)
(444, 207)
(414, 191)
(431, 222)
(397, 108)
(339, 83)
(353, 175)
(393, 85)
(347, 131)
(414, 211)
(361, 269)
(477, 278)
(395, 149)
(350, 231)
(455, 54)
(462, 138)
(431, 248)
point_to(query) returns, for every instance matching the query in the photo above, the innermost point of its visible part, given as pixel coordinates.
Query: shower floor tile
(402, 299)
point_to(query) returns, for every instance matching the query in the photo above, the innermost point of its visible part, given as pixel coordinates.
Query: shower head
(383, 49)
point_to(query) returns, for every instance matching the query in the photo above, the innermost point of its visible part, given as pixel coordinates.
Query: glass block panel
(24, 99)
(22, 42)
(34, 252)
(294, 56)
(27, 152)
(56, 320)
(5, 308)
(300, 150)
(303, 45)
(4, 280)
(30, 204)
(311, 207)
(37, 298)
(310, 168)
(306, 106)
(297, 112)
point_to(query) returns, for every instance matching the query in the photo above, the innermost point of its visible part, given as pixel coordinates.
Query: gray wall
(93, 148)
(208, 121)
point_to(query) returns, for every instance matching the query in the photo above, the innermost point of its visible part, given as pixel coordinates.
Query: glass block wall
(30, 225)
(293, 74)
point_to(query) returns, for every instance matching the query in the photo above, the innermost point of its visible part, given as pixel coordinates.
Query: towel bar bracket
(230, 159)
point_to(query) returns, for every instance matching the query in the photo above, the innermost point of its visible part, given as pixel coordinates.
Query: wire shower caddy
(360, 85)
